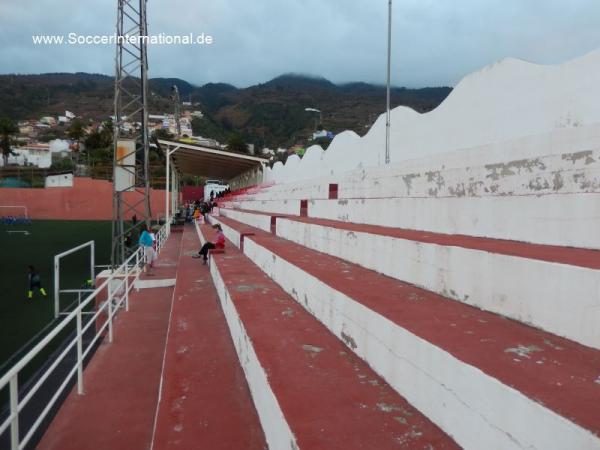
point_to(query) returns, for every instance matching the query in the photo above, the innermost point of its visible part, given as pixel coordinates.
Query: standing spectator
(219, 243)
(204, 210)
(154, 248)
(35, 281)
(146, 243)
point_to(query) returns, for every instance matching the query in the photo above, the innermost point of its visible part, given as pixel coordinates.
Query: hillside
(270, 114)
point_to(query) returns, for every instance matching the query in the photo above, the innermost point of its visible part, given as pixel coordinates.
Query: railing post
(79, 353)
(56, 287)
(127, 289)
(14, 411)
(110, 313)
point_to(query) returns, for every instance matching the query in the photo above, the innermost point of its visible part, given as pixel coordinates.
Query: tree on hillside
(163, 134)
(100, 138)
(107, 132)
(236, 143)
(208, 127)
(76, 132)
(99, 145)
(7, 127)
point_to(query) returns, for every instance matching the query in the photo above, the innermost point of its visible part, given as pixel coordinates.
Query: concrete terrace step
(464, 268)
(526, 218)
(464, 368)
(309, 390)
(204, 397)
(581, 257)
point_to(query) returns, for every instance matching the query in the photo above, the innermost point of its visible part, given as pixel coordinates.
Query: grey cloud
(435, 42)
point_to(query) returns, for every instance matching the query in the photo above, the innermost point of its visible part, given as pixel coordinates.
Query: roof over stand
(209, 162)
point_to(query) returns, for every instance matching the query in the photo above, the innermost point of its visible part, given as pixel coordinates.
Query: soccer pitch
(21, 318)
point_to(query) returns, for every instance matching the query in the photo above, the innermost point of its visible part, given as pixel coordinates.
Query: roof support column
(168, 188)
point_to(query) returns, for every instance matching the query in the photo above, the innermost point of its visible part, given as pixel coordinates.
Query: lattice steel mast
(131, 193)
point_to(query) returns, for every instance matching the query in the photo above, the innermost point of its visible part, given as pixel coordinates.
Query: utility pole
(131, 182)
(176, 108)
(389, 65)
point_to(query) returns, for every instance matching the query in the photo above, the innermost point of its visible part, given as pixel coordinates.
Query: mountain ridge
(266, 114)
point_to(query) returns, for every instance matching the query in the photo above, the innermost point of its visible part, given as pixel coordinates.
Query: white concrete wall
(566, 303)
(259, 221)
(475, 409)
(505, 101)
(268, 206)
(506, 192)
(561, 161)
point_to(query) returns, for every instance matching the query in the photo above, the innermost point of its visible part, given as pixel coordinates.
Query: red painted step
(329, 397)
(562, 375)
(565, 255)
(205, 401)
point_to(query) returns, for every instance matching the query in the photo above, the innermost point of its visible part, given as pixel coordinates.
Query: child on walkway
(146, 242)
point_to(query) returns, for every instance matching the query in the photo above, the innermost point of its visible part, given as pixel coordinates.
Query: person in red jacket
(219, 243)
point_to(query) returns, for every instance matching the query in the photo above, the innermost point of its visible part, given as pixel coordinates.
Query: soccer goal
(14, 215)
(14, 211)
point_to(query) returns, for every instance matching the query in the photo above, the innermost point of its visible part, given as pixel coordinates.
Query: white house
(38, 155)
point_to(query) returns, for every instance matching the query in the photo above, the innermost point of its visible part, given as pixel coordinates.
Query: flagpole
(389, 59)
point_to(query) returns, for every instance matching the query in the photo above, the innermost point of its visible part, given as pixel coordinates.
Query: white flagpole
(389, 59)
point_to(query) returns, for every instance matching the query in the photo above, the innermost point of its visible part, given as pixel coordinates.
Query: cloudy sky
(435, 42)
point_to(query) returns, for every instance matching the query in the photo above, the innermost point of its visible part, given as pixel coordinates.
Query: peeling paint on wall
(574, 157)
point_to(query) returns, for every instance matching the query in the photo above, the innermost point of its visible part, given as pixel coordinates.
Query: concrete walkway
(205, 402)
(122, 379)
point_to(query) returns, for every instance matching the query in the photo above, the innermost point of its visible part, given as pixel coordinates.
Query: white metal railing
(118, 285)
(57, 258)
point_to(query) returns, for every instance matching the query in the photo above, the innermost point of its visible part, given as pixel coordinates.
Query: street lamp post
(389, 59)
(317, 111)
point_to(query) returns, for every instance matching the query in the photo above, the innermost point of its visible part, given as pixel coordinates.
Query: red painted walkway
(560, 374)
(121, 380)
(565, 255)
(330, 398)
(205, 402)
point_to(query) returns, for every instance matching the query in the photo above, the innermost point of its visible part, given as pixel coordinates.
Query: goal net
(14, 215)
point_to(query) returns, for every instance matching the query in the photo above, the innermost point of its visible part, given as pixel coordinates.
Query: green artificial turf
(21, 318)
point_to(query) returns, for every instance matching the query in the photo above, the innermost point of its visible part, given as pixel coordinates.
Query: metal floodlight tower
(131, 182)
(176, 108)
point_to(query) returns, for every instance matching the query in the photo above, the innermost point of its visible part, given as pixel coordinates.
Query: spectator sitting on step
(219, 243)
